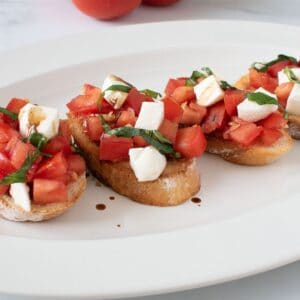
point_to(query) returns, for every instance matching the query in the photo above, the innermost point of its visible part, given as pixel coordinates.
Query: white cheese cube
(282, 78)
(115, 98)
(293, 102)
(147, 163)
(252, 112)
(20, 194)
(44, 120)
(208, 91)
(151, 115)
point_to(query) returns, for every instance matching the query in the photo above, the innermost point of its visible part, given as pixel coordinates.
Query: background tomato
(106, 9)
(159, 2)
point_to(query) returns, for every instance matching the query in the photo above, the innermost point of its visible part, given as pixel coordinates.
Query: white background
(28, 21)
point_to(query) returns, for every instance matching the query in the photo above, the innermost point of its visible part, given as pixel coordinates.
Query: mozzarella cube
(45, 120)
(252, 112)
(208, 91)
(282, 78)
(151, 115)
(20, 194)
(293, 102)
(115, 98)
(147, 163)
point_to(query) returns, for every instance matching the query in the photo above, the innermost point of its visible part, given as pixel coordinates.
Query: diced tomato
(18, 152)
(127, 117)
(31, 172)
(106, 107)
(274, 121)
(6, 133)
(173, 84)
(277, 67)
(173, 111)
(215, 119)
(190, 141)
(3, 189)
(47, 191)
(53, 168)
(94, 128)
(262, 79)
(183, 94)
(58, 144)
(114, 148)
(199, 108)
(191, 116)
(76, 163)
(139, 141)
(270, 136)
(169, 130)
(134, 100)
(245, 134)
(16, 104)
(64, 129)
(283, 91)
(232, 99)
(6, 167)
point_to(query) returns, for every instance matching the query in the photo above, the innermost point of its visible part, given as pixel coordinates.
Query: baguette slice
(179, 181)
(294, 121)
(255, 155)
(10, 211)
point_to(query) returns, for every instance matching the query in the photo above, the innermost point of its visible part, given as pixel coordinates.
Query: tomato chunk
(134, 101)
(94, 128)
(64, 129)
(283, 91)
(6, 167)
(215, 119)
(173, 84)
(173, 111)
(114, 148)
(139, 141)
(47, 191)
(58, 144)
(76, 163)
(6, 133)
(270, 136)
(169, 130)
(262, 79)
(274, 121)
(127, 117)
(190, 141)
(16, 104)
(279, 66)
(232, 99)
(245, 134)
(183, 94)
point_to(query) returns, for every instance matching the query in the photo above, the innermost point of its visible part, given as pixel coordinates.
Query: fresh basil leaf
(38, 140)
(263, 67)
(283, 57)
(190, 82)
(20, 175)
(12, 115)
(261, 98)
(151, 93)
(119, 87)
(259, 66)
(105, 125)
(226, 86)
(207, 71)
(291, 75)
(196, 75)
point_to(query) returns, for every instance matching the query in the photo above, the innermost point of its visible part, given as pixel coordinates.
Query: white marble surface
(28, 21)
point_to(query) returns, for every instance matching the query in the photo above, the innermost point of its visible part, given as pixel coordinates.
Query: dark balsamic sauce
(196, 200)
(100, 206)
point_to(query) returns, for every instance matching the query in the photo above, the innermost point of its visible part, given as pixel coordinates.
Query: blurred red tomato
(159, 2)
(106, 9)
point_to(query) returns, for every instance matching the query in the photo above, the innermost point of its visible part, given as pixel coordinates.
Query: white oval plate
(248, 220)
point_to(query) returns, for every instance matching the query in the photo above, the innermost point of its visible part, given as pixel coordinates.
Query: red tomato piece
(127, 117)
(94, 128)
(274, 121)
(16, 104)
(262, 79)
(183, 94)
(139, 141)
(6, 167)
(173, 111)
(64, 129)
(54, 168)
(277, 67)
(19, 152)
(232, 99)
(190, 141)
(76, 163)
(134, 100)
(173, 84)
(283, 91)
(3, 189)
(7, 133)
(58, 144)
(270, 136)
(215, 119)
(245, 134)
(191, 117)
(169, 130)
(114, 148)
(47, 191)
(201, 109)
(106, 107)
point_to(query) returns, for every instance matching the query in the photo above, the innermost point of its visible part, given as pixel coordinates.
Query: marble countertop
(28, 21)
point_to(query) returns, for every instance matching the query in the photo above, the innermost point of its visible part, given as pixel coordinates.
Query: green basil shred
(151, 93)
(263, 67)
(12, 115)
(205, 72)
(291, 75)
(118, 87)
(226, 86)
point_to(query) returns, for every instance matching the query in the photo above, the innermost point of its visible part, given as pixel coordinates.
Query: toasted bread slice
(179, 181)
(255, 155)
(9, 210)
(294, 121)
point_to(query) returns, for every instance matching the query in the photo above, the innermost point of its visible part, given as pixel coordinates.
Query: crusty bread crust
(9, 210)
(179, 181)
(255, 155)
(294, 121)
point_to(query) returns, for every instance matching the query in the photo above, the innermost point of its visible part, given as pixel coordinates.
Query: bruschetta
(40, 175)
(241, 126)
(131, 141)
(280, 76)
